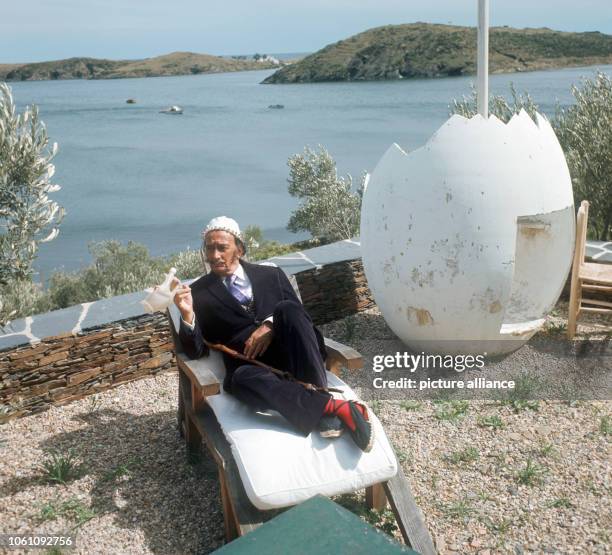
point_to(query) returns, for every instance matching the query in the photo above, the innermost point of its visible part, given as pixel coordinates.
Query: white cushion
(280, 468)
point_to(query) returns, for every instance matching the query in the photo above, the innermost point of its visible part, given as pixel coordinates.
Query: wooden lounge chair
(586, 276)
(200, 386)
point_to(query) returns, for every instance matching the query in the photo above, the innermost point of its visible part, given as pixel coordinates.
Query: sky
(38, 30)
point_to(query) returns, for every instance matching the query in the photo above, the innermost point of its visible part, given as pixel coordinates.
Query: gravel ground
(136, 479)
(490, 478)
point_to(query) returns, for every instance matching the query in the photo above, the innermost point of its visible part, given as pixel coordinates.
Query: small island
(176, 63)
(419, 50)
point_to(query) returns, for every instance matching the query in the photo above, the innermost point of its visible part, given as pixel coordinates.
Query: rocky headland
(431, 50)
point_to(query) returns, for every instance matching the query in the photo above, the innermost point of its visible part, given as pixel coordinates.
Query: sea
(131, 173)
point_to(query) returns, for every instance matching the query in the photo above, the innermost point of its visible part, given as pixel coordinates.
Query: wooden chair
(586, 276)
(198, 379)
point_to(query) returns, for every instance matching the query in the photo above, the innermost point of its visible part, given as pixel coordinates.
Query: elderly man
(253, 309)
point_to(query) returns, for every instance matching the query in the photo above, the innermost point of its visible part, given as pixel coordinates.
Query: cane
(280, 373)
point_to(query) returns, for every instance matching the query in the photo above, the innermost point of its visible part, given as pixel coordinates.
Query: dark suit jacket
(221, 319)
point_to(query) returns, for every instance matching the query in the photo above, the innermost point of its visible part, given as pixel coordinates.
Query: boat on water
(172, 110)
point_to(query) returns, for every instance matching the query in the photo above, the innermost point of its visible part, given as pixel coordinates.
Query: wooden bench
(198, 380)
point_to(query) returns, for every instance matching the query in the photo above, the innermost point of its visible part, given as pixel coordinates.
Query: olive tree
(499, 106)
(329, 207)
(28, 216)
(585, 133)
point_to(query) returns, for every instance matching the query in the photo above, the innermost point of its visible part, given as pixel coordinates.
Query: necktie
(235, 291)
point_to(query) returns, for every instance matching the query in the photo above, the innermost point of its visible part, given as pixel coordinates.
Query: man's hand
(257, 344)
(183, 300)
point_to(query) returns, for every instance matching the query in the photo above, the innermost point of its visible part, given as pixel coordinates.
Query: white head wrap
(223, 223)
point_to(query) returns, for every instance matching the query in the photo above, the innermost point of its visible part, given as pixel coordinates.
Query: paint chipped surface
(422, 278)
(487, 302)
(388, 271)
(422, 316)
(453, 265)
(533, 226)
(534, 231)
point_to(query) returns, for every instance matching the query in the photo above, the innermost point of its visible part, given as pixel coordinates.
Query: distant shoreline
(169, 65)
(544, 69)
(68, 79)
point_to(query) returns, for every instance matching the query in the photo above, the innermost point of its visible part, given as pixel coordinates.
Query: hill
(176, 63)
(432, 50)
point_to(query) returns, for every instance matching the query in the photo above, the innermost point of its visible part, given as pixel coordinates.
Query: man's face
(222, 252)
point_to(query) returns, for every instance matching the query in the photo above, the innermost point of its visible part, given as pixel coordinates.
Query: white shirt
(243, 283)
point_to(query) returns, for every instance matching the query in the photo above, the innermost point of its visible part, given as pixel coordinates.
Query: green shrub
(116, 270)
(499, 106)
(259, 248)
(20, 298)
(330, 210)
(585, 133)
(67, 289)
(120, 269)
(188, 264)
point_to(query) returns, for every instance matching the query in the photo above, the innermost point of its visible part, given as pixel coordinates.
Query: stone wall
(335, 291)
(64, 368)
(67, 367)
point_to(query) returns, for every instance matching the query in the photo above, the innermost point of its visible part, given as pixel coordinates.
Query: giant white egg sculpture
(470, 237)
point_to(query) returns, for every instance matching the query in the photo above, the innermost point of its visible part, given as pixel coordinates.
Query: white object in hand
(162, 296)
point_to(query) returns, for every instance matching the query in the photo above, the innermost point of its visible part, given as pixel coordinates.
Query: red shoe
(363, 432)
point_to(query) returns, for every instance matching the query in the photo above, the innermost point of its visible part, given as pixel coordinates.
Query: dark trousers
(293, 349)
